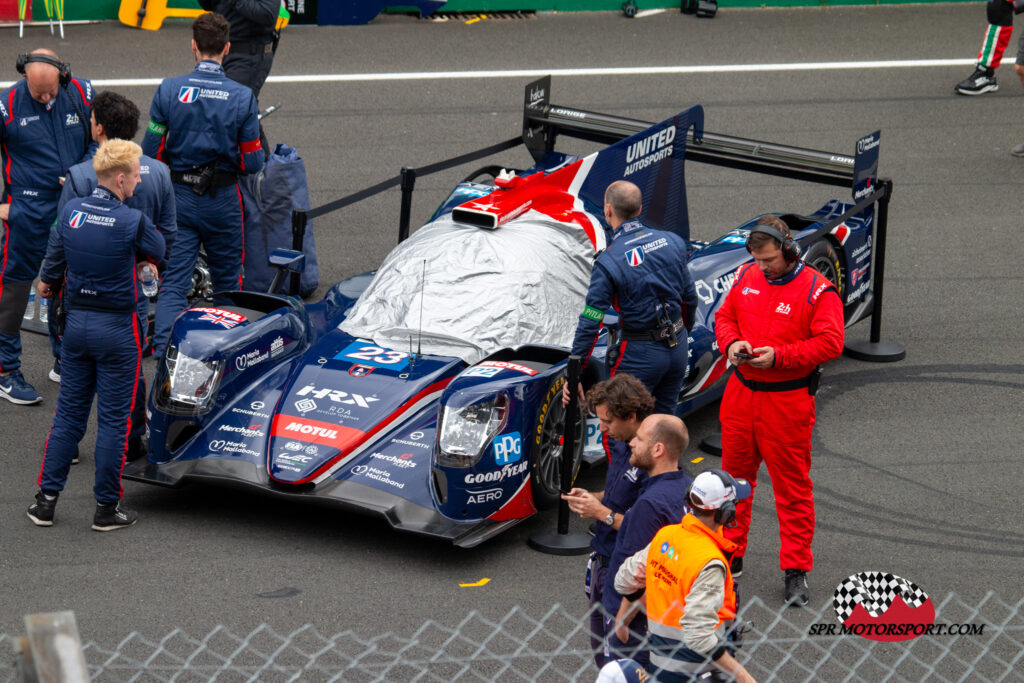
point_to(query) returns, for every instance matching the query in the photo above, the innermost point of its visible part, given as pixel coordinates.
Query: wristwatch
(610, 519)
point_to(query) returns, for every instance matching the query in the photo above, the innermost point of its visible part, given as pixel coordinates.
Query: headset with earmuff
(790, 247)
(63, 68)
(726, 512)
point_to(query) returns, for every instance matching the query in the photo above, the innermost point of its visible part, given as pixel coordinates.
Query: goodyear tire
(824, 259)
(547, 447)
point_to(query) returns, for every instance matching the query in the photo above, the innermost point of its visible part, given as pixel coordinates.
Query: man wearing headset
(205, 127)
(643, 276)
(656, 449)
(44, 131)
(684, 576)
(780, 321)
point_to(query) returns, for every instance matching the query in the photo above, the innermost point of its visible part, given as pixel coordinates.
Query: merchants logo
(883, 607)
(77, 219)
(188, 94)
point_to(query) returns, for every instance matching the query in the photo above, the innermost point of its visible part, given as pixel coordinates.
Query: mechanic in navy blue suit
(643, 276)
(657, 447)
(98, 242)
(205, 127)
(44, 130)
(115, 117)
(621, 404)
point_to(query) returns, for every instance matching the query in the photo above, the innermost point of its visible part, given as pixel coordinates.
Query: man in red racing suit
(780, 320)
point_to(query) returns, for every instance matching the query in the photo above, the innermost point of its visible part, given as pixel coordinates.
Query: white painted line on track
(596, 71)
(647, 13)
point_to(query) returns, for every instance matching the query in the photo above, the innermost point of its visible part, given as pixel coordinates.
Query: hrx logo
(337, 396)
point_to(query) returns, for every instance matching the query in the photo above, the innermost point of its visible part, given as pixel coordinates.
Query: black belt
(810, 382)
(650, 335)
(193, 179)
(252, 48)
(604, 560)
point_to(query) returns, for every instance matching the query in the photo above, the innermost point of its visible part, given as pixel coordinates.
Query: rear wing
(544, 121)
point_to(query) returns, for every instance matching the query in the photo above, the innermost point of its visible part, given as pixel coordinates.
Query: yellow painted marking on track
(476, 19)
(697, 460)
(481, 582)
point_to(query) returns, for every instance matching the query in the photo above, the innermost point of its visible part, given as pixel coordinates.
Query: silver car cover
(482, 290)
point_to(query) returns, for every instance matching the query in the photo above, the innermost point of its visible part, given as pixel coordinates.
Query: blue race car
(428, 391)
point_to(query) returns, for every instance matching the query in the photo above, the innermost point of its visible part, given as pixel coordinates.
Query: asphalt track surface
(917, 464)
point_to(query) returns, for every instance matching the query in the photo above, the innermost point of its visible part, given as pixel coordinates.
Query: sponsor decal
(508, 448)
(505, 365)
(313, 431)
(536, 97)
(251, 358)
(722, 285)
(649, 150)
(497, 475)
(28, 119)
(413, 444)
(312, 450)
(734, 239)
(750, 290)
(360, 370)
(863, 252)
(250, 431)
(376, 356)
(782, 308)
(416, 436)
(401, 462)
(337, 396)
(569, 113)
(276, 347)
(481, 372)
(251, 413)
(305, 405)
(77, 219)
(821, 288)
(635, 256)
(218, 316)
(257, 405)
(295, 457)
(383, 476)
(484, 496)
(293, 446)
(856, 294)
(857, 274)
(234, 447)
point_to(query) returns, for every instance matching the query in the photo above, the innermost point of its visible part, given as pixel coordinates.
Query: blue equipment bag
(268, 199)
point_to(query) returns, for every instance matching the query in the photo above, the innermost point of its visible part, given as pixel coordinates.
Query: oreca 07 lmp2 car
(428, 391)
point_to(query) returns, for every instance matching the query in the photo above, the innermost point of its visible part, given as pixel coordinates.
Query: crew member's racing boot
(983, 80)
(41, 511)
(111, 516)
(796, 588)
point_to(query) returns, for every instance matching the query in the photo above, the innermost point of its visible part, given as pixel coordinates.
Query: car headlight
(466, 431)
(191, 382)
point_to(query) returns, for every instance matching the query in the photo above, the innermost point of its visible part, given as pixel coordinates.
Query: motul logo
(337, 396)
(302, 428)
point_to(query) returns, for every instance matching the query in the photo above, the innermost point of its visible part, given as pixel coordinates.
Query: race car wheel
(824, 259)
(547, 447)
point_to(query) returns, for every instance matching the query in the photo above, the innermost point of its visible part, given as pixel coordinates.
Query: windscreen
(481, 290)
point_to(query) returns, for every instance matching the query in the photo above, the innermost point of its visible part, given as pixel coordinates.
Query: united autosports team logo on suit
(635, 257)
(883, 607)
(188, 94)
(77, 219)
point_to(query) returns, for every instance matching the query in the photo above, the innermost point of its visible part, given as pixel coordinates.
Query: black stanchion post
(299, 220)
(712, 444)
(875, 350)
(561, 542)
(408, 185)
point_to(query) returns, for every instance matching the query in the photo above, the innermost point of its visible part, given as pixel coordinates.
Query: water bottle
(150, 282)
(30, 310)
(44, 310)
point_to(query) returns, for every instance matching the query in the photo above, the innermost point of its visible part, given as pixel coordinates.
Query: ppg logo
(508, 448)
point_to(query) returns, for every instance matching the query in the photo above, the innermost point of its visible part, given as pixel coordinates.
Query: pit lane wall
(304, 12)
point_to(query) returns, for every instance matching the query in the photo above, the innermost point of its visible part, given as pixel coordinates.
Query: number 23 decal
(376, 354)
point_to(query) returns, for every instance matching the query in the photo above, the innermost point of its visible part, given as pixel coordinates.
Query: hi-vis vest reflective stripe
(675, 557)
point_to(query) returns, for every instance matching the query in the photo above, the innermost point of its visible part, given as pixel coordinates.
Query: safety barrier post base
(554, 543)
(875, 352)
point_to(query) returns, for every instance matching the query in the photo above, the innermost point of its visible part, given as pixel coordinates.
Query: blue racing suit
(38, 144)
(205, 127)
(642, 275)
(154, 197)
(95, 250)
(662, 502)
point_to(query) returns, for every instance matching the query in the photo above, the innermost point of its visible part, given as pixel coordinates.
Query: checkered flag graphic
(875, 591)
